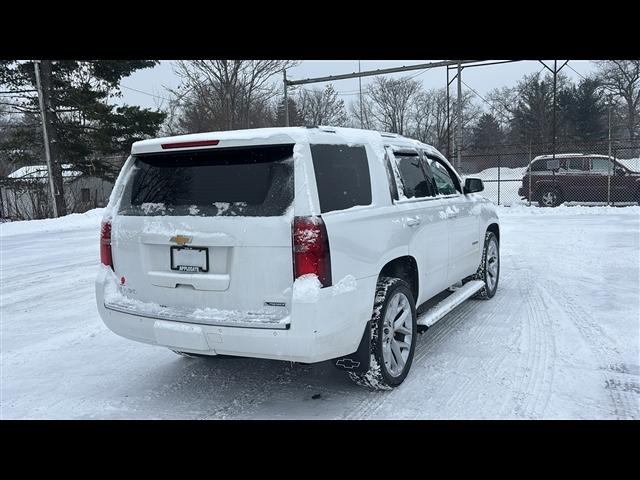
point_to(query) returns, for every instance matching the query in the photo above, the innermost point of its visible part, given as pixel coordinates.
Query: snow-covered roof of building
(37, 172)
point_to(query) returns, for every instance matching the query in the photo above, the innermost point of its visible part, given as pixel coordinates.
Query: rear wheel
(393, 336)
(549, 197)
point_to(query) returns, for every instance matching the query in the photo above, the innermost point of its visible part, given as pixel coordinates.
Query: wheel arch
(495, 229)
(405, 268)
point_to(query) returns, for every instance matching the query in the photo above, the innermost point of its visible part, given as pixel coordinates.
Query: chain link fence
(25, 193)
(595, 173)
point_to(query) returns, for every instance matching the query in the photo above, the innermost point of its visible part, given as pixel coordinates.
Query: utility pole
(555, 89)
(610, 160)
(286, 99)
(459, 122)
(360, 84)
(554, 72)
(448, 119)
(43, 82)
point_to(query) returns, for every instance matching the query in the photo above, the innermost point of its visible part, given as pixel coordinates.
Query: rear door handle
(413, 222)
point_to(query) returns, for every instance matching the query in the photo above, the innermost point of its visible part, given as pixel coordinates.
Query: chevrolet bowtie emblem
(180, 239)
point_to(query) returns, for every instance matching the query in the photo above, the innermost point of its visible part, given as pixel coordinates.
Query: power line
(582, 76)
(145, 93)
(486, 101)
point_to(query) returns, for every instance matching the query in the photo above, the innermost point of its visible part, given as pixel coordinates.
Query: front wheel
(393, 336)
(489, 269)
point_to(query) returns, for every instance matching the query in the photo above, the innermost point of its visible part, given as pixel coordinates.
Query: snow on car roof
(260, 136)
(569, 155)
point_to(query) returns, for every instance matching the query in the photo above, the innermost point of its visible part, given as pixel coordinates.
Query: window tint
(601, 165)
(444, 182)
(254, 182)
(414, 180)
(576, 164)
(539, 166)
(342, 176)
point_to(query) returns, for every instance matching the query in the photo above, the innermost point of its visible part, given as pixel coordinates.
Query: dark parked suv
(577, 177)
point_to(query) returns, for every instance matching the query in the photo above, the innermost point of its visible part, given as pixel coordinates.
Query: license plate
(190, 259)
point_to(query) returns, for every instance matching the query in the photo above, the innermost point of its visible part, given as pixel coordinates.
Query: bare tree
(367, 121)
(224, 94)
(622, 79)
(429, 117)
(392, 101)
(321, 107)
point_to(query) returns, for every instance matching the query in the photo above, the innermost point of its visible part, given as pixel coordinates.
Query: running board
(452, 301)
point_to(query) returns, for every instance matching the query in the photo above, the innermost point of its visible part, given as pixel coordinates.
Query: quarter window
(342, 176)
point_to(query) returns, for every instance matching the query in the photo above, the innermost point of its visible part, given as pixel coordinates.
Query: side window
(539, 166)
(414, 180)
(342, 176)
(601, 165)
(576, 165)
(443, 179)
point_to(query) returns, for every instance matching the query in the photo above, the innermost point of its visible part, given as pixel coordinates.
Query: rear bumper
(328, 328)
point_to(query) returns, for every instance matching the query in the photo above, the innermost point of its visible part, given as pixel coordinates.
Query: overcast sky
(481, 79)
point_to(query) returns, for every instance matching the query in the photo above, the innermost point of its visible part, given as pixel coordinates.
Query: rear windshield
(250, 182)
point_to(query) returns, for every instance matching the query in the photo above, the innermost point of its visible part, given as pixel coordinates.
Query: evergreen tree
(294, 117)
(585, 111)
(85, 122)
(487, 132)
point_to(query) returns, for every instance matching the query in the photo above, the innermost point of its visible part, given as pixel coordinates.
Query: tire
(549, 197)
(393, 299)
(489, 269)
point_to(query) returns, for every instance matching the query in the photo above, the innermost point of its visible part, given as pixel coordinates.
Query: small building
(25, 194)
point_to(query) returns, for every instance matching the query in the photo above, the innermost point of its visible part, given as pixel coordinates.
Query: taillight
(311, 249)
(105, 244)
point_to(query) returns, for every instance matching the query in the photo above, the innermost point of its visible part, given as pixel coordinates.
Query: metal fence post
(498, 179)
(529, 171)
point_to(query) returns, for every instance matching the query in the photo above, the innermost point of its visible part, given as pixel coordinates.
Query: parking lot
(559, 340)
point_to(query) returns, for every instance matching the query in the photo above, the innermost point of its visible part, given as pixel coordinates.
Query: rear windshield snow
(250, 182)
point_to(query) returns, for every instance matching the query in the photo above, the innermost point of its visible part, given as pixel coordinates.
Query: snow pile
(505, 173)
(73, 221)
(563, 210)
(346, 285)
(306, 289)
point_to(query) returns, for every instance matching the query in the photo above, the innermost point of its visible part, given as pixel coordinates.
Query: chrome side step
(461, 294)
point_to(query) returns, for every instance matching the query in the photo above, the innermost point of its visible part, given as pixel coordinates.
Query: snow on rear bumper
(313, 332)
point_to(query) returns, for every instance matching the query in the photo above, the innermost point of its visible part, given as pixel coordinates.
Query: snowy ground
(560, 339)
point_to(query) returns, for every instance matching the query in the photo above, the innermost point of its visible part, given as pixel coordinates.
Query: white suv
(302, 244)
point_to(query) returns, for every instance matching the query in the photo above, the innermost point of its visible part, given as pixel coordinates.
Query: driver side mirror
(473, 185)
(620, 172)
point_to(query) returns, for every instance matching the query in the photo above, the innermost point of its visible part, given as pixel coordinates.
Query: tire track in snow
(539, 360)
(624, 402)
(481, 313)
